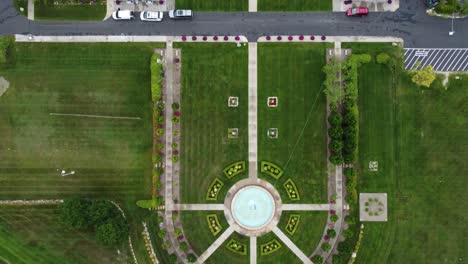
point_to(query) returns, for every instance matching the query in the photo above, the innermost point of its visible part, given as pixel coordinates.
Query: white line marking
(96, 116)
(409, 56)
(458, 52)
(461, 64)
(453, 53)
(435, 65)
(427, 59)
(461, 57)
(433, 57)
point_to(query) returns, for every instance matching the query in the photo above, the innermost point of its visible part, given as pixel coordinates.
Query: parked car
(432, 3)
(180, 14)
(151, 16)
(123, 15)
(357, 11)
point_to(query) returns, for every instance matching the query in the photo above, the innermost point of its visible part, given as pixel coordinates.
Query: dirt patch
(4, 84)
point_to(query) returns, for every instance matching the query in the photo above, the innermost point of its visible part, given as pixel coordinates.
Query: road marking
(443, 60)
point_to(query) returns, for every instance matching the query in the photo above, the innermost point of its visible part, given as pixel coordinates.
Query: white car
(123, 15)
(151, 16)
(180, 14)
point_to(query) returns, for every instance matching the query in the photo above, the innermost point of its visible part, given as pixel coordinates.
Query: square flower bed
(293, 223)
(233, 101)
(213, 191)
(291, 190)
(233, 132)
(271, 169)
(237, 247)
(272, 101)
(269, 247)
(234, 169)
(272, 132)
(213, 224)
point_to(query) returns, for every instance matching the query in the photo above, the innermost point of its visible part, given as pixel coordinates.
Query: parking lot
(442, 60)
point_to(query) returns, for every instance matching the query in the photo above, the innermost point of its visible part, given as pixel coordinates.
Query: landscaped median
(69, 9)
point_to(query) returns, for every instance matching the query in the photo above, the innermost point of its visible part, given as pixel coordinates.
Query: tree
(424, 76)
(334, 218)
(74, 212)
(335, 119)
(325, 246)
(349, 219)
(100, 211)
(331, 233)
(191, 258)
(183, 246)
(348, 233)
(317, 259)
(107, 234)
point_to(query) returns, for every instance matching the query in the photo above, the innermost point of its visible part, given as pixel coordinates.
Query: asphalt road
(410, 22)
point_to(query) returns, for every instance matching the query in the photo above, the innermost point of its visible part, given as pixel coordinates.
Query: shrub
(146, 204)
(349, 173)
(331, 233)
(350, 199)
(156, 72)
(172, 258)
(317, 259)
(111, 233)
(424, 76)
(447, 9)
(335, 132)
(336, 159)
(161, 106)
(161, 120)
(175, 158)
(175, 120)
(159, 132)
(348, 233)
(383, 58)
(350, 119)
(74, 212)
(345, 247)
(348, 104)
(325, 246)
(349, 219)
(175, 106)
(334, 218)
(335, 145)
(191, 258)
(174, 145)
(161, 233)
(334, 119)
(178, 232)
(183, 246)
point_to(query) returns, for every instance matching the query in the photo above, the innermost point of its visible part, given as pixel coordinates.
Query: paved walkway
(31, 9)
(252, 5)
(253, 155)
(305, 207)
(203, 257)
(253, 250)
(291, 245)
(198, 207)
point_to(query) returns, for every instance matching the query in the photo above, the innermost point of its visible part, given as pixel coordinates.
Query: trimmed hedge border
(234, 169)
(213, 224)
(270, 247)
(293, 223)
(212, 194)
(291, 189)
(237, 247)
(271, 169)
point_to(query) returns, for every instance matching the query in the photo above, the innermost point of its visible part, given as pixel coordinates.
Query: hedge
(5, 42)
(234, 169)
(269, 247)
(214, 189)
(156, 74)
(213, 224)
(153, 203)
(291, 190)
(237, 247)
(271, 169)
(293, 223)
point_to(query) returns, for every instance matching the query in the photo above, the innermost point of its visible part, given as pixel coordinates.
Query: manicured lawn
(111, 157)
(69, 12)
(293, 73)
(419, 137)
(295, 5)
(213, 5)
(36, 235)
(210, 74)
(309, 231)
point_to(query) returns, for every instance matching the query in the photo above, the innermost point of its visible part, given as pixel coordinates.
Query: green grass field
(293, 73)
(69, 12)
(210, 74)
(419, 138)
(111, 157)
(35, 235)
(295, 5)
(213, 5)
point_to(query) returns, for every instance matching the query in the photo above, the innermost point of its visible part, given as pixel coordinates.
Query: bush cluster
(99, 216)
(336, 137)
(452, 6)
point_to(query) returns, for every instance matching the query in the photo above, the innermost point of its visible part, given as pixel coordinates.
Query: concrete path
(253, 167)
(305, 207)
(203, 257)
(291, 245)
(252, 5)
(198, 207)
(253, 250)
(31, 9)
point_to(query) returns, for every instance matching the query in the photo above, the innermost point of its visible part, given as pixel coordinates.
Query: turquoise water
(252, 207)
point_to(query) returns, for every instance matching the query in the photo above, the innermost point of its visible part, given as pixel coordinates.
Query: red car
(357, 11)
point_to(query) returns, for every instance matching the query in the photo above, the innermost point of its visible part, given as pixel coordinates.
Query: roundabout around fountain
(252, 207)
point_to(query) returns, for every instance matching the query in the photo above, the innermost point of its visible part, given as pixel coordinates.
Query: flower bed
(269, 247)
(234, 169)
(213, 191)
(293, 223)
(271, 169)
(237, 247)
(213, 224)
(291, 189)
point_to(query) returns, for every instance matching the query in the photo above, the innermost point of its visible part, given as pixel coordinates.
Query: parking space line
(434, 56)
(463, 64)
(448, 60)
(424, 63)
(442, 56)
(409, 55)
(461, 57)
(458, 52)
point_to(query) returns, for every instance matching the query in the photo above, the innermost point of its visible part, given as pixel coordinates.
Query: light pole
(452, 32)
